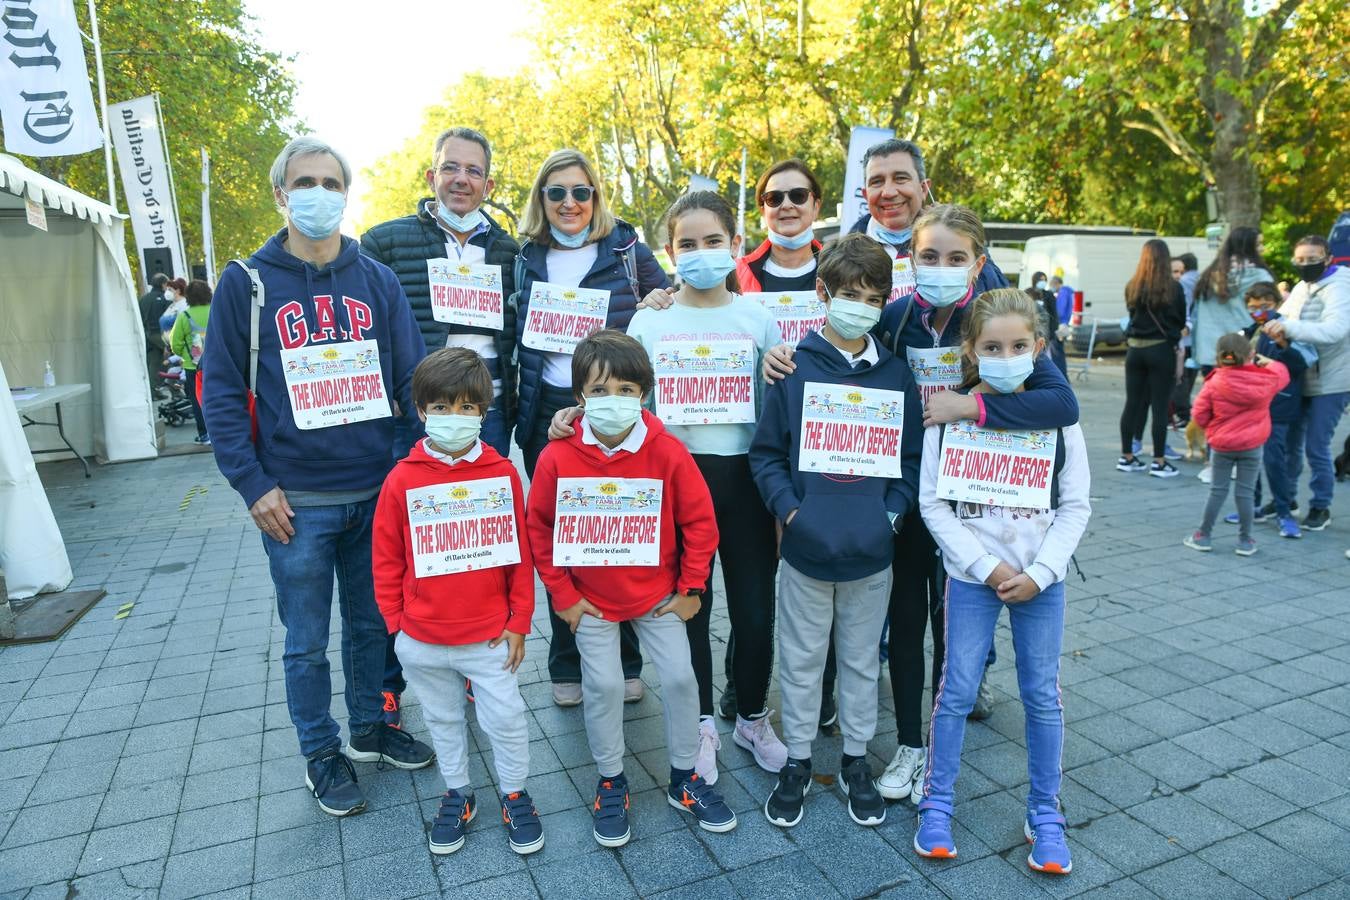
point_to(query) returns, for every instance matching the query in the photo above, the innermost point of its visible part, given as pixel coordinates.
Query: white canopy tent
(66, 296)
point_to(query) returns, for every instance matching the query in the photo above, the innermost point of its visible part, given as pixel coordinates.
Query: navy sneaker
(332, 781)
(784, 806)
(386, 744)
(610, 813)
(727, 707)
(866, 806)
(522, 823)
(454, 816)
(391, 714)
(696, 797)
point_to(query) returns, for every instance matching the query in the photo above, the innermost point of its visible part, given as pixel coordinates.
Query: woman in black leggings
(1157, 308)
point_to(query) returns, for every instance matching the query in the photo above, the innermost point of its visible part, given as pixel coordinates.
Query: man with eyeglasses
(449, 249)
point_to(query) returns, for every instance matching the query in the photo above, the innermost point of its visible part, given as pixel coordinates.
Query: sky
(365, 72)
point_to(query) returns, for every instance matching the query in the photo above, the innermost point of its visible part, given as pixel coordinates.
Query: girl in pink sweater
(1234, 409)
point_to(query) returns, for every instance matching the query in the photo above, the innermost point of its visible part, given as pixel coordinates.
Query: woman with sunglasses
(569, 238)
(789, 200)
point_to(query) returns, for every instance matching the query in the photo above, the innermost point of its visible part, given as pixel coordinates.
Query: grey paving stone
(227, 753)
(122, 845)
(860, 863)
(165, 736)
(288, 809)
(1181, 818)
(599, 872)
(100, 721)
(403, 873)
(94, 750)
(222, 866)
(141, 801)
(790, 876)
(1327, 759)
(1312, 837)
(753, 840)
(43, 863)
(992, 876)
(1311, 717)
(325, 882)
(1162, 718)
(384, 830)
(517, 886)
(1126, 843)
(1220, 747)
(1172, 764)
(213, 825)
(1189, 877)
(1115, 732)
(1290, 782)
(62, 784)
(35, 824)
(212, 788)
(297, 850)
(1117, 782)
(1262, 866)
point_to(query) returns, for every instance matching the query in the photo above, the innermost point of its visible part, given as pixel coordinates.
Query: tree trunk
(1228, 99)
(1235, 172)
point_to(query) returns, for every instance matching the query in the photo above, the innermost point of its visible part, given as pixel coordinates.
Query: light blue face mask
(570, 241)
(612, 415)
(796, 242)
(455, 222)
(316, 212)
(942, 285)
(453, 432)
(1006, 375)
(894, 238)
(704, 269)
(851, 319)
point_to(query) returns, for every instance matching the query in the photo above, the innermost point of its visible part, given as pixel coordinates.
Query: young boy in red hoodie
(455, 582)
(623, 527)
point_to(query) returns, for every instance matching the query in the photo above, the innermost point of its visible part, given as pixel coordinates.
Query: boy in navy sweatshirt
(836, 459)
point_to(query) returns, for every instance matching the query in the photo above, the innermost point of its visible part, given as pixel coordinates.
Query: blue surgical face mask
(796, 242)
(570, 241)
(704, 269)
(942, 285)
(453, 432)
(1041, 285)
(316, 212)
(1006, 374)
(612, 415)
(851, 319)
(894, 238)
(455, 222)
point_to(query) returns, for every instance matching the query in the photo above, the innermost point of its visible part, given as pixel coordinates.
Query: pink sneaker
(709, 742)
(757, 736)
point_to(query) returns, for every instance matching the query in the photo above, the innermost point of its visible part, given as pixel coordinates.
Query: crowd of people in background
(361, 423)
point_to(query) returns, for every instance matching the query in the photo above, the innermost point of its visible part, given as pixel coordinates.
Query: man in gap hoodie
(306, 442)
(828, 465)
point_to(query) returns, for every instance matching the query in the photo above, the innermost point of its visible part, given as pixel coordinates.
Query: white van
(1099, 266)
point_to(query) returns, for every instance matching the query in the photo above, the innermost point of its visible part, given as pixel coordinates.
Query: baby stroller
(177, 408)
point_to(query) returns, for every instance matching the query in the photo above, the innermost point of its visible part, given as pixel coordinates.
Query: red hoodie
(463, 607)
(687, 528)
(1234, 405)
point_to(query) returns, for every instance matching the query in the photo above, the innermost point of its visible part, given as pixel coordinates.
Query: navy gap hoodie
(367, 303)
(841, 531)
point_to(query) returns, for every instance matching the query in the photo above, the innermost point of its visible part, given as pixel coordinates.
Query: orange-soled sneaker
(522, 823)
(933, 839)
(391, 714)
(610, 812)
(1049, 850)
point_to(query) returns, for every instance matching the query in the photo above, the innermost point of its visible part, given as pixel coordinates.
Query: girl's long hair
(990, 305)
(1152, 284)
(1239, 249)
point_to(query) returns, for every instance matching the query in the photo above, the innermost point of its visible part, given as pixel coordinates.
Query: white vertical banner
(854, 201)
(208, 239)
(136, 132)
(46, 104)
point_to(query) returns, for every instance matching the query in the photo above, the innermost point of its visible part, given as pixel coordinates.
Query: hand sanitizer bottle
(49, 377)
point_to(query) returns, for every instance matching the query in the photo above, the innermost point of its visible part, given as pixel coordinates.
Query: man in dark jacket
(153, 303)
(451, 225)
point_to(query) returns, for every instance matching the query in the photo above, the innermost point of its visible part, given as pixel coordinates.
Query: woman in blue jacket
(570, 239)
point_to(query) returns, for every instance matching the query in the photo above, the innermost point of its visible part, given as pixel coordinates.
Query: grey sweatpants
(665, 641)
(436, 674)
(1248, 463)
(807, 609)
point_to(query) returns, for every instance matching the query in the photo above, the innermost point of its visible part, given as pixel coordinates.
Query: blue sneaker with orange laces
(1049, 849)
(933, 839)
(610, 812)
(698, 798)
(522, 822)
(447, 829)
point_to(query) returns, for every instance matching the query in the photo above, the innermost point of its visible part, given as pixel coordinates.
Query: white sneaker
(1206, 475)
(632, 690)
(757, 736)
(709, 742)
(897, 781)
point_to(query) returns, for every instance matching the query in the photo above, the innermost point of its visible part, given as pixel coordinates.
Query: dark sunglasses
(556, 193)
(774, 199)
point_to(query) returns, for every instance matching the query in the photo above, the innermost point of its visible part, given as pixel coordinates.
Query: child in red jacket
(624, 530)
(455, 582)
(1234, 409)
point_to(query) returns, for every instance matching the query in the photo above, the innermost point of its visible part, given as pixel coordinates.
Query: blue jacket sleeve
(408, 348)
(1048, 401)
(650, 275)
(1293, 360)
(990, 277)
(225, 387)
(770, 454)
(902, 495)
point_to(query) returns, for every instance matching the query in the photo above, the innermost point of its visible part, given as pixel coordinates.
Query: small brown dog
(1196, 449)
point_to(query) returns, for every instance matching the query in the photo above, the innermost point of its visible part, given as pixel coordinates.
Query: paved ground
(1208, 752)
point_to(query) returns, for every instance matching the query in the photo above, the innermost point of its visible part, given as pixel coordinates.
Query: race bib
(608, 522)
(798, 312)
(902, 278)
(705, 382)
(460, 527)
(992, 467)
(562, 317)
(850, 430)
(465, 294)
(335, 384)
(935, 369)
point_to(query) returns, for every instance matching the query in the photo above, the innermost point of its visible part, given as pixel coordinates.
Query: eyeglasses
(556, 193)
(798, 196)
(453, 169)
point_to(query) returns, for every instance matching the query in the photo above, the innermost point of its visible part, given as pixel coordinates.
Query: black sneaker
(391, 713)
(784, 806)
(829, 712)
(522, 823)
(1260, 514)
(865, 805)
(1163, 469)
(610, 812)
(1130, 464)
(1316, 519)
(332, 781)
(696, 797)
(727, 705)
(454, 816)
(386, 744)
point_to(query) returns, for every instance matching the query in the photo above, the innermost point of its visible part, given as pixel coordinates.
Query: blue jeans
(1314, 431)
(1279, 480)
(1037, 632)
(328, 540)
